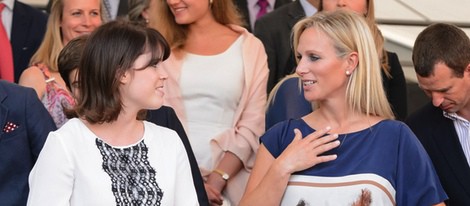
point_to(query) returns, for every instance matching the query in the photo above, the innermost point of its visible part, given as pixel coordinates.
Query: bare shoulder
(34, 78)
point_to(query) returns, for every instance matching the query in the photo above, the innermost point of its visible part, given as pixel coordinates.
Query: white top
(75, 167)
(211, 87)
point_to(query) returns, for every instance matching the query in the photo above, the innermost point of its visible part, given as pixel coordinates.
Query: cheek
(97, 21)
(329, 5)
(68, 26)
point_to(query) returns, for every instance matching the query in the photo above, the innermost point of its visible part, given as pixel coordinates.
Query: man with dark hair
(441, 57)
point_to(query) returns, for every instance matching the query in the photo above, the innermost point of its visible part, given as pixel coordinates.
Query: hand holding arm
(215, 184)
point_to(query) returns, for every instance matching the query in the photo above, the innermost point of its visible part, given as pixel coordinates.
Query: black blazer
(27, 32)
(439, 138)
(19, 149)
(274, 30)
(166, 117)
(395, 87)
(242, 6)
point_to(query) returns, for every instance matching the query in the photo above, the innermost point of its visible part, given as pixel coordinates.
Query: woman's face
(142, 86)
(79, 17)
(190, 11)
(322, 72)
(74, 86)
(359, 6)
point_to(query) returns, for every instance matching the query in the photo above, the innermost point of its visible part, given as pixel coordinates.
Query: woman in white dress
(108, 155)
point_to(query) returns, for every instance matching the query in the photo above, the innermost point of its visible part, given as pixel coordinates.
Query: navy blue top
(385, 159)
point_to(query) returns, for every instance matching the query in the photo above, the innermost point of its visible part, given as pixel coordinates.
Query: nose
(86, 20)
(301, 69)
(437, 99)
(341, 3)
(170, 2)
(163, 74)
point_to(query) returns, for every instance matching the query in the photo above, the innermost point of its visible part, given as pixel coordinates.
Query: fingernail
(328, 128)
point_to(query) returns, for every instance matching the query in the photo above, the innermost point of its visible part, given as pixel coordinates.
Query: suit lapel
(123, 8)
(445, 135)
(19, 31)
(3, 110)
(296, 12)
(279, 3)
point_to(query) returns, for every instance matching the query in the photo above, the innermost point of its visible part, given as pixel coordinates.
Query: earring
(210, 2)
(146, 21)
(348, 73)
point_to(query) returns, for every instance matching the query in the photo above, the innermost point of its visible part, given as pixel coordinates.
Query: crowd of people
(190, 102)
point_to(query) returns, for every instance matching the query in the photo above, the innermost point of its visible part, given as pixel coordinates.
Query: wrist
(282, 169)
(225, 176)
(216, 181)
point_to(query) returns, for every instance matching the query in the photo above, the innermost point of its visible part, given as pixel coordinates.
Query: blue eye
(313, 58)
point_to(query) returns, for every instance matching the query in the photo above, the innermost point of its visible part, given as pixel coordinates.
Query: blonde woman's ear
(353, 61)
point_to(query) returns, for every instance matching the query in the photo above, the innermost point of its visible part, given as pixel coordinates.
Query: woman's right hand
(215, 197)
(303, 153)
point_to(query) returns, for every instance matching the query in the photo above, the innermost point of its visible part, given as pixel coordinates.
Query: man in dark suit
(25, 124)
(441, 58)
(274, 30)
(27, 31)
(245, 9)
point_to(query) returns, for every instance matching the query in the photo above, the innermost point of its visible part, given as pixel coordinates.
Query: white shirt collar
(309, 9)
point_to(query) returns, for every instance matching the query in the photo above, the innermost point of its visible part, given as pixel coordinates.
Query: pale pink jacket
(249, 120)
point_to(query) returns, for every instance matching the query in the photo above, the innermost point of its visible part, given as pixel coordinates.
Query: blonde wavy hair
(350, 32)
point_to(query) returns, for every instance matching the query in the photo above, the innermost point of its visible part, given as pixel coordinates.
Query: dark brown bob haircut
(110, 51)
(69, 58)
(441, 43)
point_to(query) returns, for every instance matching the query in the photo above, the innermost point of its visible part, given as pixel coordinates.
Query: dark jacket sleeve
(395, 87)
(166, 117)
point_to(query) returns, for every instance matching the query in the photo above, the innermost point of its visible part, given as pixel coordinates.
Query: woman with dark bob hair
(109, 155)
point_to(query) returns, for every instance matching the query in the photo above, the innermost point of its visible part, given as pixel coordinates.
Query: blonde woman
(348, 151)
(393, 78)
(68, 19)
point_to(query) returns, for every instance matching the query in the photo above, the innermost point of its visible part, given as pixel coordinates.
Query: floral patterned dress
(56, 98)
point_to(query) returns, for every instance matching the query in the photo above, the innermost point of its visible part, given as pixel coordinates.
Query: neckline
(91, 133)
(349, 133)
(236, 42)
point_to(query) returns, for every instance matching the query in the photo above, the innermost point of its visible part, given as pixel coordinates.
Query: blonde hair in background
(378, 37)
(349, 32)
(51, 45)
(136, 8)
(224, 12)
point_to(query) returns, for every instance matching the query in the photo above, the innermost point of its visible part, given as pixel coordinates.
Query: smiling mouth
(309, 82)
